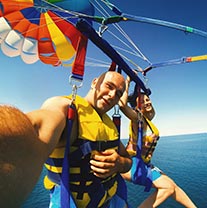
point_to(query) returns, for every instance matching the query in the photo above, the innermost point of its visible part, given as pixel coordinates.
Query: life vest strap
(54, 177)
(79, 64)
(85, 147)
(64, 183)
(155, 132)
(97, 195)
(57, 162)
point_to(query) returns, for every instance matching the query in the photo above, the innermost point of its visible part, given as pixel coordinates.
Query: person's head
(106, 91)
(145, 103)
(146, 106)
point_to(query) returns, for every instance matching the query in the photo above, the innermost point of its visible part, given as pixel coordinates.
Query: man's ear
(94, 82)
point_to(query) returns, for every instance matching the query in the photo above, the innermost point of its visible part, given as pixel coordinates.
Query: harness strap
(96, 190)
(64, 183)
(97, 195)
(141, 173)
(79, 63)
(152, 127)
(85, 147)
(140, 124)
(112, 66)
(117, 122)
(139, 138)
(57, 162)
(155, 137)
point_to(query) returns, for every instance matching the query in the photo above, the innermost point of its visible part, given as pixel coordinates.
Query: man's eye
(109, 86)
(119, 94)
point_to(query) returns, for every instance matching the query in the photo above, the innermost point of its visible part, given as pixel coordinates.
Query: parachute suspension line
(138, 68)
(73, 14)
(119, 29)
(122, 32)
(96, 63)
(100, 61)
(116, 25)
(101, 9)
(133, 52)
(112, 7)
(103, 27)
(127, 51)
(92, 64)
(136, 52)
(51, 5)
(145, 79)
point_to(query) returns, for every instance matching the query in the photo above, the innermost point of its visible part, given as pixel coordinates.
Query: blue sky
(178, 92)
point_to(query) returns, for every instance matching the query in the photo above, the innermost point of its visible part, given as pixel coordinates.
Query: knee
(171, 188)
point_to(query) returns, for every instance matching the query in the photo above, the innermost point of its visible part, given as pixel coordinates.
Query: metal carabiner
(116, 110)
(75, 83)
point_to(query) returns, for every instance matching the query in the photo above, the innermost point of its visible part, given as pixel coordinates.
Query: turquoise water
(183, 158)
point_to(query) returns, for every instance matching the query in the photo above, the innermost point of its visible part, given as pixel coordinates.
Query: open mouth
(148, 106)
(105, 101)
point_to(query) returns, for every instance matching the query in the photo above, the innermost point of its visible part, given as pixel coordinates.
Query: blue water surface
(183, 158)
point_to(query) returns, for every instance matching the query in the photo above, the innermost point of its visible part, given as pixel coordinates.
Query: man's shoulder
(57, 101)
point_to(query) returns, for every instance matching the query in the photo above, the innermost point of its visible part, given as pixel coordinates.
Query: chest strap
(85, 147)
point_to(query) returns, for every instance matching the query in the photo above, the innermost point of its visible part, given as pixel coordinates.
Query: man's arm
(50, 121)
(26, 140)
(21, 158)
(109, 162)
(129, 112)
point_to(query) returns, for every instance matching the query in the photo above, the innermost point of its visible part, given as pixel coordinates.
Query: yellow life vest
(149, 140)
(98, 132)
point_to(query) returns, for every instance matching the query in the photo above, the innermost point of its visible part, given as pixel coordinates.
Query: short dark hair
(133, 96)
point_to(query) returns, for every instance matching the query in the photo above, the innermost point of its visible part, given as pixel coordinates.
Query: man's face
(108, 91)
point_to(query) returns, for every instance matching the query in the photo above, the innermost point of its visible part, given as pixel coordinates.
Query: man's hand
(105, 164)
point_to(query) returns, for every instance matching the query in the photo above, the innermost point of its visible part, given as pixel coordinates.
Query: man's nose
(112, 93)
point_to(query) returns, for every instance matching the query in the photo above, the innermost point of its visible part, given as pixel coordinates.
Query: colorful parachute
(51, 31)
(46, 30)
(41, 30)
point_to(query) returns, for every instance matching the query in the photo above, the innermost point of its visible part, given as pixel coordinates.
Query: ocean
(183, 158)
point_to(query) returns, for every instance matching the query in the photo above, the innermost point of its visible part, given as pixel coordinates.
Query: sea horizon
(182, 134)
